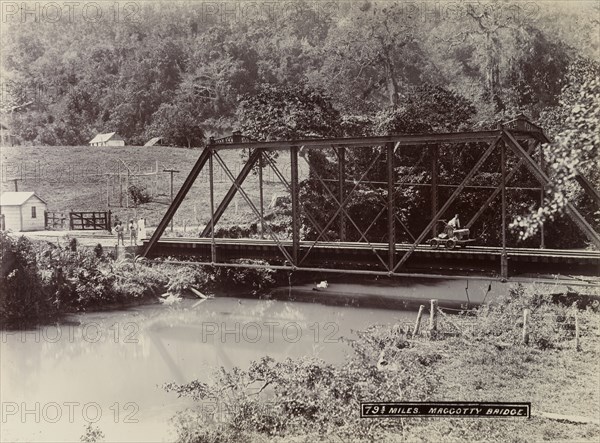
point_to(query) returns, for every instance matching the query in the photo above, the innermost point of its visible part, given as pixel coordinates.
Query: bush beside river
(40, 281)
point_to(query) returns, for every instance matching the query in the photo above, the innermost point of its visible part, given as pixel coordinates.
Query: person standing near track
(132, 233)
(120, 235)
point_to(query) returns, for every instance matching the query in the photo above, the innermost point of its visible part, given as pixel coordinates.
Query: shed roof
(153, 141)
(105, 137)
(17, 198)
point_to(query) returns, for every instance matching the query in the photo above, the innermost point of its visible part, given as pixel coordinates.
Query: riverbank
(41, 281)
(307, 399)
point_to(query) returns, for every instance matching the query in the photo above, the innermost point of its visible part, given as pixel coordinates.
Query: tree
(575, 146)
(370, 56)
(178, 123)
(284, 112)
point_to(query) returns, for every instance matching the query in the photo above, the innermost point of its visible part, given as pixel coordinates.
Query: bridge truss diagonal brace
(571, 210)
(341, 209)
(187, 184)
(384, 202)
(446, 205)
(237, 182)
(589, 188)
(245, 196)
(288, 187)
(346, 199)
(498, 190)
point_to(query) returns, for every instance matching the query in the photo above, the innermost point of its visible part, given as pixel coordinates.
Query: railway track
(470, 250)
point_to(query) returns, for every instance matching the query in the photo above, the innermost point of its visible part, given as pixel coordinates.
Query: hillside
(75, 178)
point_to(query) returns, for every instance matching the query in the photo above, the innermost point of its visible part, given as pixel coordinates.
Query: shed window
(33, 212)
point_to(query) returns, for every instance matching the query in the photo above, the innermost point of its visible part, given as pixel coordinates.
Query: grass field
(87, 178)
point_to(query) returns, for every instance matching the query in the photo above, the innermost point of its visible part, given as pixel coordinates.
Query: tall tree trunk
(392, 84)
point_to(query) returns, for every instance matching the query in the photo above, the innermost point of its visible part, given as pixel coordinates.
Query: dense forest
(187, 70)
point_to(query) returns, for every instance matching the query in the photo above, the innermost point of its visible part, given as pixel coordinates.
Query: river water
(108, 368)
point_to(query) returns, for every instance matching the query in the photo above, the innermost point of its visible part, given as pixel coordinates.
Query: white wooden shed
(23, 211)
(108, 139)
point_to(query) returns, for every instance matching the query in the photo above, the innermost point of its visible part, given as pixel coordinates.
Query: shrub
(183, 277)
(139, 195)
(40, 280)
(253, 280)
(23, 298)
(550, 324)
(98, 250)
(306, 396)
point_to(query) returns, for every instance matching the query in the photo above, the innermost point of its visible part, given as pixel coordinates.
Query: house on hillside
(108, 139)
(156, 141)
(22, 211)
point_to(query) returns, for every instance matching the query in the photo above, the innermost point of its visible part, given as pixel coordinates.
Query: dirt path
(89, 238)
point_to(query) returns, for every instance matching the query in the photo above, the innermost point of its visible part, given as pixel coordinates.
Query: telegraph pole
(171, 171)
(15, 180)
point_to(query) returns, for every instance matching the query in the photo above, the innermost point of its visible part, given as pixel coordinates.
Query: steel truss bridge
(518, 138)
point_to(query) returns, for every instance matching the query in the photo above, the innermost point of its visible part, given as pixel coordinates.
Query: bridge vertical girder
(503, 257)
(496, 191)
(287, 185)
(295, 206)
(435, 169)
(211, 178)
(342, 185)
(541, 160)
(238, 185)
(391, 209)
(261, 194)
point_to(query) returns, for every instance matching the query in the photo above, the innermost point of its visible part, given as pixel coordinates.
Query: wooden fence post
(526, 313)
(577, 345)
(418, 321)
(433, 317)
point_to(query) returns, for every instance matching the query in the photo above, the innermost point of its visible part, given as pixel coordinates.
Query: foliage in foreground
(40, 281)
(307, 399)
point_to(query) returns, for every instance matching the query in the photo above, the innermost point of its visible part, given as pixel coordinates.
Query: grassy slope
(73, 178)
(562, 381)
(554, 381)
